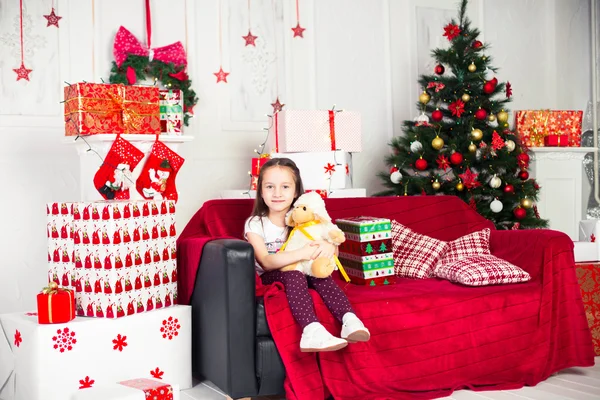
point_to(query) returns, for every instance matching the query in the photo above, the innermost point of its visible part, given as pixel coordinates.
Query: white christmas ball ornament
(510, 145)
(396, 177)
(488, 74)
(495, 182)
(416, 146)
(423, 119)
(496, 206)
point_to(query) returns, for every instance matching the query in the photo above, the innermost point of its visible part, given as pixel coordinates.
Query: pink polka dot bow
(126, 43)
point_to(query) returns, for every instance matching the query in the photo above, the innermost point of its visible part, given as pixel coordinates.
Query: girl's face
(278, 188)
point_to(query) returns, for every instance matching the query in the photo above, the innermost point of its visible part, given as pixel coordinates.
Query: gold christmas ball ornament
(460, 187)
(424, 98)
(526, 203)
(472, 67)
(472, 148)
(476, 134)
(465, 97)
(437, 143)
(491, 117)
(502, 117)
(436, 185)
(510, 145)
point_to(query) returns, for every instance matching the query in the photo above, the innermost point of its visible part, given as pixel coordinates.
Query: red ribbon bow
(437, 85)
(126, 43)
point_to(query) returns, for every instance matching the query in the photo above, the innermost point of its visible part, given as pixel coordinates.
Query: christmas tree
(461, 143)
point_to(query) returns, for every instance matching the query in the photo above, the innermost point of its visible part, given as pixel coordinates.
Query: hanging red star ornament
(457, 108)
(22, 72)
(470, 179)
(298, 31)
(277, 106)
(508, 90)
(451, 31)
(221, 75)
(250, 39)
(52, 18)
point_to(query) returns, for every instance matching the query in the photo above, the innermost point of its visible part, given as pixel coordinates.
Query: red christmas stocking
(114, 177)
(157, 179)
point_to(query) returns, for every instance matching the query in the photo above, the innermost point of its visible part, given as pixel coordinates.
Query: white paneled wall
(362, 55)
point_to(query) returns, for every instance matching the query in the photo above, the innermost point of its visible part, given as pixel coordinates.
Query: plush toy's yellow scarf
(300, 227)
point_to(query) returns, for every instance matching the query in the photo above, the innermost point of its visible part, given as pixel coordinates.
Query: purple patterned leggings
(296, 289)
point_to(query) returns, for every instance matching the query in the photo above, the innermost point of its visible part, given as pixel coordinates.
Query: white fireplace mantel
(559, 172)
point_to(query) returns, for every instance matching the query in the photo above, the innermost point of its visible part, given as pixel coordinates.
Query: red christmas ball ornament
(421, 164)
(520, 213)
(476, 44)
(523, 175)
(456, 158)
(481, 114)
(489, 87)
(509, 189)
(439, 69)
(437, 115)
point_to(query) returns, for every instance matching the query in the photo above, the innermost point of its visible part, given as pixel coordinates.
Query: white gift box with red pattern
(323, 170)
(119, 257)
(315, 130)
(135, 389)
(55, 361)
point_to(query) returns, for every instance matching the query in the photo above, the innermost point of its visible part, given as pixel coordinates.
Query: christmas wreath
(172, 77)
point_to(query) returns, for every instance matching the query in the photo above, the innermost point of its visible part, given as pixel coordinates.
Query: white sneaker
(316, 338)
(353, 330)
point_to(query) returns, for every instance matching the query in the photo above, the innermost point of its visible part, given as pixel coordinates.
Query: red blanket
(429, 337)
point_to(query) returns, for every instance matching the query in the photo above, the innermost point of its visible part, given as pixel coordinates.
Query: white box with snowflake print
(52, 362)
(322, 170)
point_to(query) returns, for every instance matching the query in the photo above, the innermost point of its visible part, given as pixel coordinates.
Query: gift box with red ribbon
(556, 140)
(92, 108)
(533, 126)
(171, 112)
(55, 305)
(315, 130)
(258, 162)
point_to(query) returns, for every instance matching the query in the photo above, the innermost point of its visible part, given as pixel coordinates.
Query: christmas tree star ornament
(221, 75)
(52, 18)
(277, 106)
(298, 30)
(22, 72)
(250, 39)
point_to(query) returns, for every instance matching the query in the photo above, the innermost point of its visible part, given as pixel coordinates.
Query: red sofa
(429, 337)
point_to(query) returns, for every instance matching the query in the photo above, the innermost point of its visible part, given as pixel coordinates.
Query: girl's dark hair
(260, 207)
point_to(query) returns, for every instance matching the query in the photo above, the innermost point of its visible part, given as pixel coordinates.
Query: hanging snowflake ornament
(451, 31)
(170, 328)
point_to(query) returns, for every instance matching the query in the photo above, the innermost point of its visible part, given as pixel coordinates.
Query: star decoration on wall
(22, 72)
(221, 75)
(52, 19)
(250, 39)
(277, 106)
(298, 30)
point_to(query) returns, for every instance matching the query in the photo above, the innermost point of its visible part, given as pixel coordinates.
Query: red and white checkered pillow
(415, 255)
(469, 245)
(481, 270)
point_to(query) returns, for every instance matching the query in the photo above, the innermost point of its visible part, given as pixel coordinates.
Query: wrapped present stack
(321, 143)
(552, 128)
(367, 255)
(118, 257)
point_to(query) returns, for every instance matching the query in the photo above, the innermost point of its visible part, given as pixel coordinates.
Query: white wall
(365, 60)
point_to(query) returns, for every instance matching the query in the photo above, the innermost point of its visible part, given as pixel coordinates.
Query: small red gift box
(258, 162)
(55, 305)
(556, 140)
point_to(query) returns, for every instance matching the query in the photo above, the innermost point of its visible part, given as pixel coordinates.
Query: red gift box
(588, 275)
(533, 125)
(152, 389)
(55, 305)
(258, 162)
(556, 140)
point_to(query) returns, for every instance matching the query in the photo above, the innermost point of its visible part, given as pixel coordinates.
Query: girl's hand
(324, 249)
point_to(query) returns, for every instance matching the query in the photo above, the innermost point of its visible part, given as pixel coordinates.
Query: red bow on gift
(437, 85)
(126, 43)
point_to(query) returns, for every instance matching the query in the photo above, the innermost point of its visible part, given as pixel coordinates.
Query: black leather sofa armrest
(224, 317)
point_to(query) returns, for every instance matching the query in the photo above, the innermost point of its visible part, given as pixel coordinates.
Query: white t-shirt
(273, 235)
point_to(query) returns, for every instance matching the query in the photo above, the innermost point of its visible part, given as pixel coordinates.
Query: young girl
(278, 186)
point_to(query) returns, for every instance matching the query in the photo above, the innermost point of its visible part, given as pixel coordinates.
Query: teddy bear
(310, 221)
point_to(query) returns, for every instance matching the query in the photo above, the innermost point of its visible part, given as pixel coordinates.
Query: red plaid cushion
(469, 245)
(481, 270)
(415, 255)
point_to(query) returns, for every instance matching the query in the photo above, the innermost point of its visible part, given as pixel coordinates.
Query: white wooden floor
(574, 383)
